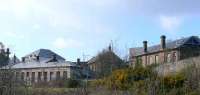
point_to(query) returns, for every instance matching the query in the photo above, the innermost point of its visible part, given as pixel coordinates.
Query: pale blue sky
(74, 27)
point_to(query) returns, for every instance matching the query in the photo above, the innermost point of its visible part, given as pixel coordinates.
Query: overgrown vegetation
(145, 81)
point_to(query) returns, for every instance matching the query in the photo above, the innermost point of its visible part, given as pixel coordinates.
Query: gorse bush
(145, 81)
(124, 79)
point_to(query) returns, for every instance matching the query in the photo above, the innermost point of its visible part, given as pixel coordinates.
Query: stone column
(61, 74)
(68, 73)
(42, 75)
(25, 78)
(48, 76)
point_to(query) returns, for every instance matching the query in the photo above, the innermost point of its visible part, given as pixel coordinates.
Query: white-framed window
(156, 59)
(174, 56)
(57, 75)
(151, 59)
(168, 57)
(51, 75)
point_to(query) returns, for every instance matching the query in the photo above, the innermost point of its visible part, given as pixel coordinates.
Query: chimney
(55, 58)
(38, 58)
(78, 61)
(7, 52)
(23, 59)
(145, 46)
(110, 48)
(163, 41)
(14, 58)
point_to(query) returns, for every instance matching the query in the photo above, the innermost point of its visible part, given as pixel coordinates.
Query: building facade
(44, 65)
(104, 63)
(165, 52)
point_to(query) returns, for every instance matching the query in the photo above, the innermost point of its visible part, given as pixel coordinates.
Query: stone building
(104, 63)
(165, 52)
(44, 65)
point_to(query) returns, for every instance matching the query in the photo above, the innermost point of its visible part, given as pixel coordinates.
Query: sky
(82, 28)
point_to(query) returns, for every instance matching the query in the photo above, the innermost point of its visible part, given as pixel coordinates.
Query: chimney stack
(78, 61)
(23, 59)
(38, 58)
(55, 57)
(7, 52)
(163, 41)
(14, 58)
(145, 46)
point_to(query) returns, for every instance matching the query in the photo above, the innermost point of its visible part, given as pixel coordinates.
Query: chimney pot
(23, 59)
(145, 46)
(38, 58)
(14, 58)
(78, 61)
(163, 41)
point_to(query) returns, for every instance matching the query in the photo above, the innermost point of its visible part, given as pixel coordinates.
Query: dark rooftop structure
(192, 40)
(171, 51)
(42, 55)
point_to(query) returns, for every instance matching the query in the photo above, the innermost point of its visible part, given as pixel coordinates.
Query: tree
(107, 61)
(3, 59)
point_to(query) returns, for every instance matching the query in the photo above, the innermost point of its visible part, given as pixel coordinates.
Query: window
(57, 75)
(65, 74)
(156, 59)
(39, 76)
(22, 76)
(51, 75)
(33, 77)
(45, 76)
(148, 59)
(17, 75)
(168, 57)
(151, 60)
(27, 74)
(174, 57)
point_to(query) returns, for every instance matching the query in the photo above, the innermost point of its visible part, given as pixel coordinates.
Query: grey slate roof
(45, 54)
(169, 45)
(11, 61)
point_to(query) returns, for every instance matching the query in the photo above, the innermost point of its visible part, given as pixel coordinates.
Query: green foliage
(174, 81)
(124, 79)
(3, 59)
(145, 81)
(70, 83)
(107, 61)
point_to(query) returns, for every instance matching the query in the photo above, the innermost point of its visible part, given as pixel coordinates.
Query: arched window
(168, 57)
(57, 75)
(65, 74)
(174, 57)
(51, 75)
(156, 59)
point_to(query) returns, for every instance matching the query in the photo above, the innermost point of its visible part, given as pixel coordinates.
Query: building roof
(104, 53)
(13, 60)
(35, 64)
(45, 54)
(169, 45)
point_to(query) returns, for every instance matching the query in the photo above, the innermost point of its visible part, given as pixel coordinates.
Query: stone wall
(43, 74)
(174, 67)
(160, 57)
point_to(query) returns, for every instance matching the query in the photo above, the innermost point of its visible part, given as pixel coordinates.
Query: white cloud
(62, 43)
(36, 26)
(170, 23)
(14, 35)
(165, 7)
